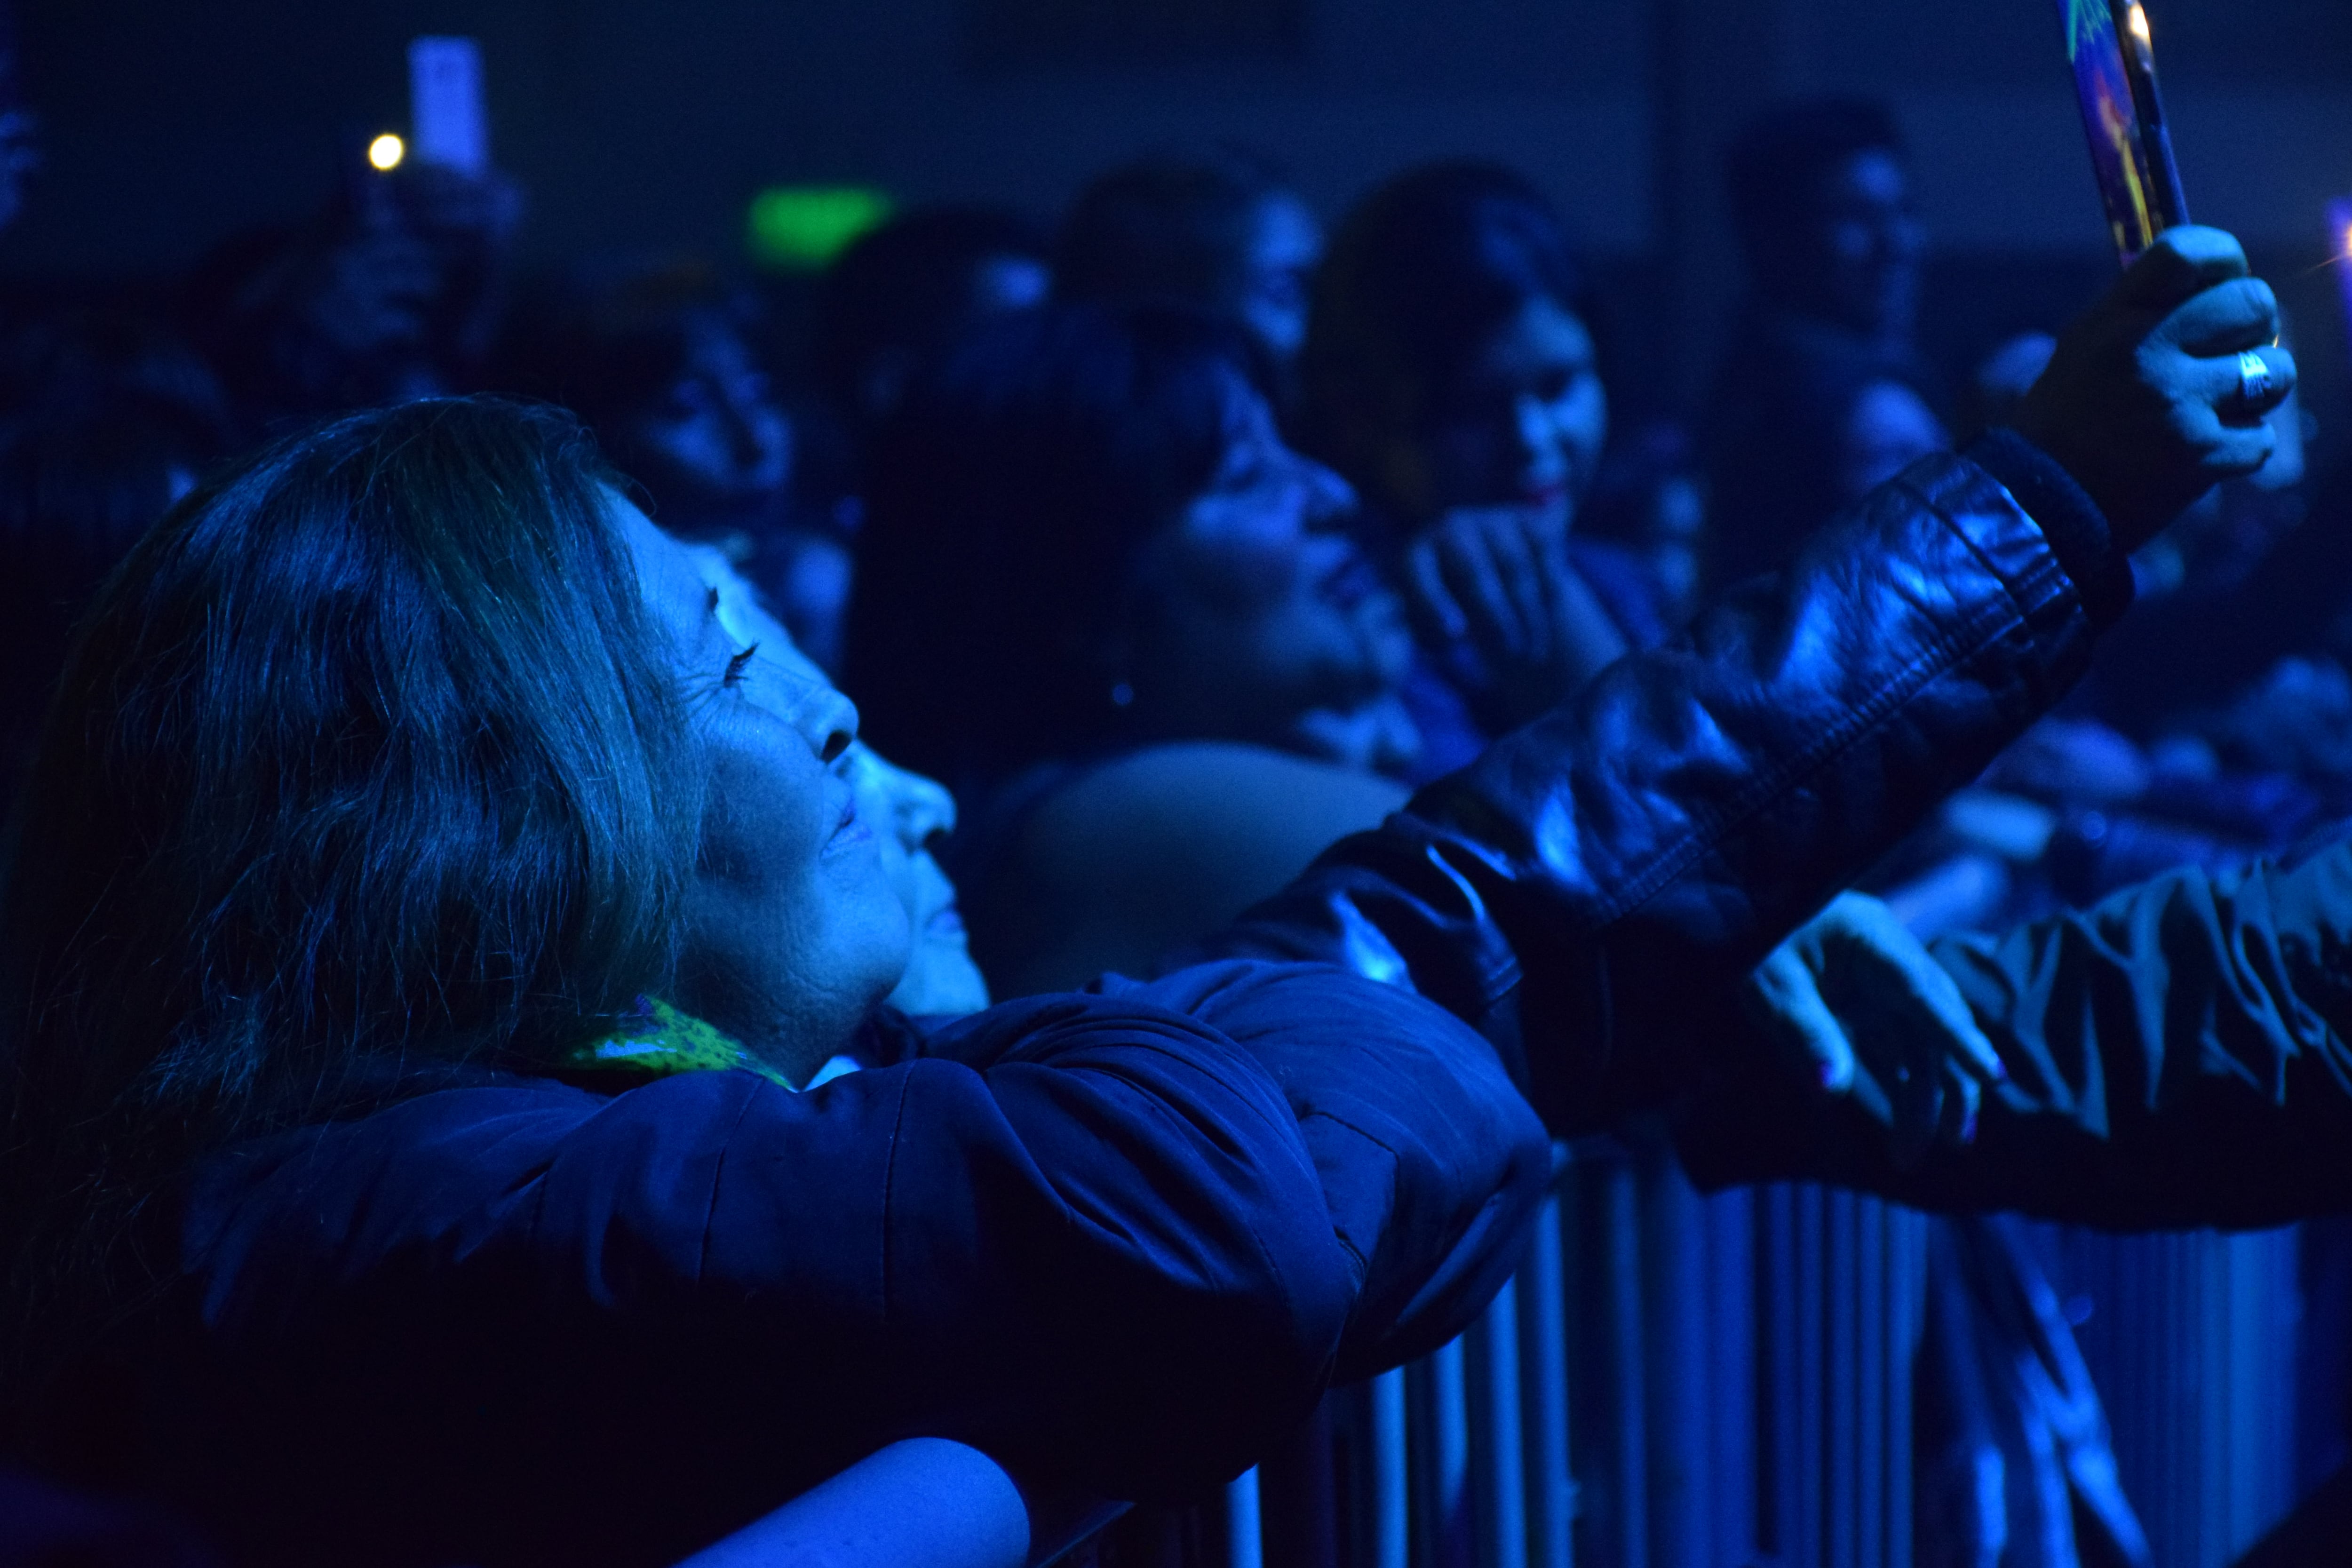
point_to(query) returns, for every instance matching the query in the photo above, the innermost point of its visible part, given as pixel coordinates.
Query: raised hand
(1498, 579)
(2158, 391)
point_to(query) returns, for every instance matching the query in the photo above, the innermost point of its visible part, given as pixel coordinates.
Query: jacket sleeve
(1431, 1162)
(2178, 1056)
(1586, 893)
(1104, 1257)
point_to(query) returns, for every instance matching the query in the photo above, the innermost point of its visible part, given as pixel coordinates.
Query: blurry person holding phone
(392, 290)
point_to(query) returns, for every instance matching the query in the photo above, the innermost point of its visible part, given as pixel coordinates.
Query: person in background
(1220, 229)
(395, 290)
(1102, 598)
(1096, 591)
(1453, 375)
(20, 148)
(1650, 498)
(106, 419)
(907, 292)
(658, 361)
(1823, 386)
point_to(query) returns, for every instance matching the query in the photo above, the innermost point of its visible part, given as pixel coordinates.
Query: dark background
(642, 126)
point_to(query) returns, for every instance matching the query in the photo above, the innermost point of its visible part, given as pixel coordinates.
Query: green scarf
(655, 1040)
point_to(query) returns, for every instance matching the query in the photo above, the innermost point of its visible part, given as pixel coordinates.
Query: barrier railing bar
(1244, 1538)
(1503, 1514)
(1543, 1358)
(1391, 1477)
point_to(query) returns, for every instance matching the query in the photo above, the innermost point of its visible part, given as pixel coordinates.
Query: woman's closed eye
(736, 665)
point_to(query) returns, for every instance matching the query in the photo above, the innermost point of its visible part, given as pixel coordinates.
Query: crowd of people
(497, 1068)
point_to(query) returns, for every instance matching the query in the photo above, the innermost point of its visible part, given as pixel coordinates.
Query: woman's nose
(826, 720)
(926, 809)
(1330, 500)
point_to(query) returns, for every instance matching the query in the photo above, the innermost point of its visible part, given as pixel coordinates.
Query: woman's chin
(942, 981)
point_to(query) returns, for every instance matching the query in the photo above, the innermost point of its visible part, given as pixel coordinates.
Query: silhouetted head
(1821, 192)
(1087, 532)
(406, 744)
(1451, 360)
(659, 363)
(905, 293)
(1220, 230)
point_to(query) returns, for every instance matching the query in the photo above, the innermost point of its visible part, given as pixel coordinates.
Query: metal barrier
(1679, 1380)
(2192, 1342)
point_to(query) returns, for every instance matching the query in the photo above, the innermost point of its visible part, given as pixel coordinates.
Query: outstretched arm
(1588, 893)
(2176, 1054)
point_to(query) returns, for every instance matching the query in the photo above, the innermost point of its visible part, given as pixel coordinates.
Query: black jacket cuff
(2067, 515)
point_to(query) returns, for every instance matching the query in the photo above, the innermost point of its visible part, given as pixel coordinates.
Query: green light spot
(802, 227)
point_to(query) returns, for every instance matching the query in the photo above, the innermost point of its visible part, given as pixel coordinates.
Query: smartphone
(446, 124)
(2113, 56)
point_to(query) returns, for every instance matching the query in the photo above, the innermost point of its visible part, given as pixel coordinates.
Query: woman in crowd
(425, 907)
(406, 798)
(1100, 596)
(1452, 375)
(659, 363)
(1219, 229)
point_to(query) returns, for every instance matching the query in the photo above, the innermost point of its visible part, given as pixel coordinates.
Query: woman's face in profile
(1259, 606)
(792, 931)
(1524, 422)
(909, 813)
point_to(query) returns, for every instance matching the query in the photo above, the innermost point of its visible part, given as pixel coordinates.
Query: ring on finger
(2254, 377)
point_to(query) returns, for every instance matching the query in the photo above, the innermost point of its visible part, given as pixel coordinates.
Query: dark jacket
(520, 1321)
(1120, 1239)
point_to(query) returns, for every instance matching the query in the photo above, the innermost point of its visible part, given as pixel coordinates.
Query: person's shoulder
(1208, 779)
(1200, 803)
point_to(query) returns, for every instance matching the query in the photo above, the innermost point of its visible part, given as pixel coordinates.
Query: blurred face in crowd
(1861, 262)
(1523, 425)
(715, 439)
(792, 931)
(1005, 282)
(1256, 609)
(1890, 428)
(1279, 252)
(910, 815)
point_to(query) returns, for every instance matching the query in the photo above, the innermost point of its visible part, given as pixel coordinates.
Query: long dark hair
(367, 763)
(1010, 502)
(1419, 274)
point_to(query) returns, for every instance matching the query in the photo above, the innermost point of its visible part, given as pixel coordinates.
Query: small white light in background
(386, 152)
